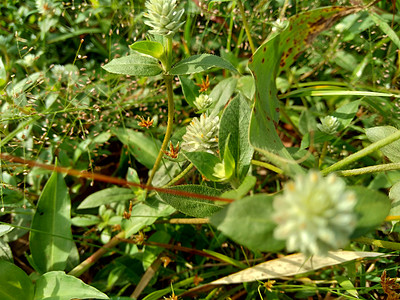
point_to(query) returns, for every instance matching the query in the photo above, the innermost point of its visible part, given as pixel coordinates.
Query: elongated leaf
(385, 28)
(107, 196)
(372, 208)
(292, 265)
(191, 206)
(151, 48)
(394, 195)
(5, 251)
(3, 73)
(200, 63)
(204, 162)
(134, 65)
(235, 123)
(347, 112)
(143, 148)
(246, 186)
(57, 285)
(14, 283)
(190, 90)
(50, 240)
(248, 222)
(392, 151)
(222, 93)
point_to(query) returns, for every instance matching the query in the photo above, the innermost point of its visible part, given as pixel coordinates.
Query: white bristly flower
(202, 102)
(202, 135)
(329, 125)
(163, 17)
(315, 214)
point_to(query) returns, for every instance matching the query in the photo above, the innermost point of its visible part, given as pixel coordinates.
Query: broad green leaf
(380, 22)
(193, 206)
(14, 283)
(190, 90)
(134, 65)
(107, 196)
(57, 285)
(246, 186)
(394, 195)
(346, 283)
(3, 73)
(249, 223)
(347, 112)
(143, 148)
(151, 48)
(222, 93)
(392, 151)
(50, 240)
(200, 63)
(226, 259)
(292, 265)
(85, 220)
(235, 123)
(372, 208)
(146, 214)
(204, 162)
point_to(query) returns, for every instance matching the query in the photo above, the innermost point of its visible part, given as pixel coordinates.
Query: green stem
(378, 243)
(179, 176)
(360, 154)
(246, 26)
(267, 166)
(323, 154)
(370, 169)
(171, 113)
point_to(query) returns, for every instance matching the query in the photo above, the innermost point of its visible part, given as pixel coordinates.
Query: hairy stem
(171, 113)
(370, 169)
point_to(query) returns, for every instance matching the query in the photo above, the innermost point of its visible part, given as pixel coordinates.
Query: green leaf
(144, 149)
(134, 65)
(229, 161)
(50, 240)
(190, 90)
(222, 93)
(85, 220)
(107, 196)
(394, 195)
(372, 208)
(5, 251)
(204, 162)
(347, 112)
(57, 285)
(380, 22)
(154, 49)
(246, 186)
(145, 214)
(3, 73)
(200, 63)
(192, 206)
(15, 284)
(235, 123)
(392, 151)
(249, 223)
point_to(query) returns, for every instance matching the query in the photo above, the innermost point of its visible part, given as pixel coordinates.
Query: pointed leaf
(144, 149)
(292, 265)
(154, 49)
(222, 93)
(15, 284)
(190, 90)
(204, 162)
(392, 151)
(380, 22)
(248, 222)
(57, 285)
(200, 63)
(134, 65)
(192, 206)
(50, 240)
(107, 196)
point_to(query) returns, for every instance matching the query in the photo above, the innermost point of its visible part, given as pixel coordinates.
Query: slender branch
(179, 176)
(185, 221)
(171, 113)
(369, 170)
(378, 243)
(246, 26)
(360, 154)
(267, 166)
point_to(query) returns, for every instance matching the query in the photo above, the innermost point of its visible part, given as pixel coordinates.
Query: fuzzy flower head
(163, 17)
(202, 135)
(315, 214)
(329, 125)
(202, 102)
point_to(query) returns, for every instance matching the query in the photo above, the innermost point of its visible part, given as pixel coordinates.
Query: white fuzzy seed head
(202, 135)
(329, 125)
(315, 214)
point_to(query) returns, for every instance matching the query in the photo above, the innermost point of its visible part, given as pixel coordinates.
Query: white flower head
(315, 214)
(202, 135)
(329, 125)
(202, 102)
(163, 17)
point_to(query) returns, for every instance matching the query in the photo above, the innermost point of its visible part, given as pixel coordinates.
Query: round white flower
(163, 17)
(202, 135)
(329, 125)
(315, 214)
(202, 102)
